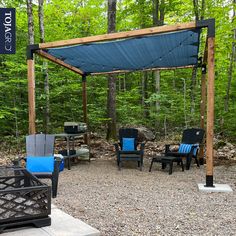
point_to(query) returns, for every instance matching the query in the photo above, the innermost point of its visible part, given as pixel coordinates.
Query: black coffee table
(167, 160)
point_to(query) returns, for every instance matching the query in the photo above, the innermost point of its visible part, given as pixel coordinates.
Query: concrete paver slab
(224, 188)
(62, 225)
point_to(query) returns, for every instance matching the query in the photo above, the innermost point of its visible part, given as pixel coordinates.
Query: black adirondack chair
(191, 140)
(40, 159)
(129, 148)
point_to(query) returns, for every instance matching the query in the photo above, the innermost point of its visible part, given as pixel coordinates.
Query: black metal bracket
(30, 51)
(84, 77)
(209, 181)
(210, 24)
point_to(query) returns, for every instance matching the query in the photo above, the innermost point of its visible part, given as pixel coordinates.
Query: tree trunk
(157, 77)
(197, 12)
(185, 113)
(124, 82)
(158, 19)
(45, 67)
(202, 10)
(155, 12)
(231, 65)
(162, 12)
(30, 22)
(41, 20)
(144, 93)
(192, 89)
(111, 98)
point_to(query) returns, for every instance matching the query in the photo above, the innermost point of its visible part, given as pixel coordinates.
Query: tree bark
(144, 93)
(158, 19)
(155, 12)
(157, 77)
(30, 22)
(45, 67)
(198, 12)
(31, 72)
(41, 21)
(111, 98)
(203, 10)
(231, 65)
(192, 89)
(162, 12)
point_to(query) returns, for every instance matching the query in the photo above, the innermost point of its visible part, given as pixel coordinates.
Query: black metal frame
(23, 199)
(54, 176)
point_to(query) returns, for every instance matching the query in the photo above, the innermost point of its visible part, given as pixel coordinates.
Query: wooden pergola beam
(151, 69)
(58, 61)
(119, 35)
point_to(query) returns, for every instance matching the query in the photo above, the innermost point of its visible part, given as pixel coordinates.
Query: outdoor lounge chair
(191, 139)
(40, 159)
(128, 147)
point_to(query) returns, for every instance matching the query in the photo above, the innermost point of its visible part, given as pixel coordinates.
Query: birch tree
(45, 66)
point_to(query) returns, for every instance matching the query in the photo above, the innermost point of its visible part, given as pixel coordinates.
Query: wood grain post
(84, 98)
(210, 113)
(202, 111)
(203, 102)
(31, 95)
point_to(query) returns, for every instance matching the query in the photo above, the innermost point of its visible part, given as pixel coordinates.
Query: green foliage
(66, 19)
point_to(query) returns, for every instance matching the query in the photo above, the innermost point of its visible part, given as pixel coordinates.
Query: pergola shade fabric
(166, 50)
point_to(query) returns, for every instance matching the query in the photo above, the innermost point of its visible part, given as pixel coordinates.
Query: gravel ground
(131, 202)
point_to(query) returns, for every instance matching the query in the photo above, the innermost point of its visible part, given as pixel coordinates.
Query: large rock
(145, 134)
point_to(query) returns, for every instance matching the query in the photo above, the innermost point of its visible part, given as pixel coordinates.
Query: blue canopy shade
(166, 50)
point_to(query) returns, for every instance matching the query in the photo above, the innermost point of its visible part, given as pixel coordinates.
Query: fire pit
(24, 200)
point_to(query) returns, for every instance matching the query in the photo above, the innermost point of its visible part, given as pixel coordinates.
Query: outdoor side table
(167, 160)
(24, 200)
(69, 153)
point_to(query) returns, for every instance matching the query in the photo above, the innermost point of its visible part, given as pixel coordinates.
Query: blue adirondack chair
(40, 159)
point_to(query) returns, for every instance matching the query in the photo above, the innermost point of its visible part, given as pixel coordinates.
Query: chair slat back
(129, 133)
(40, 145)
(193, 135)
(49, 145)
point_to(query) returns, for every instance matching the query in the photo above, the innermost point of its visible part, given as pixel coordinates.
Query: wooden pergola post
(203, 102)
(202, 111)
(210, 104)
(31, 90)
(84, 98)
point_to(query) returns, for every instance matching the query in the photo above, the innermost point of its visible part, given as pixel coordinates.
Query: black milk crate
(24, 199)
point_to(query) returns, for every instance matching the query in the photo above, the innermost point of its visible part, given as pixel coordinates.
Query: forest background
(165, 101)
